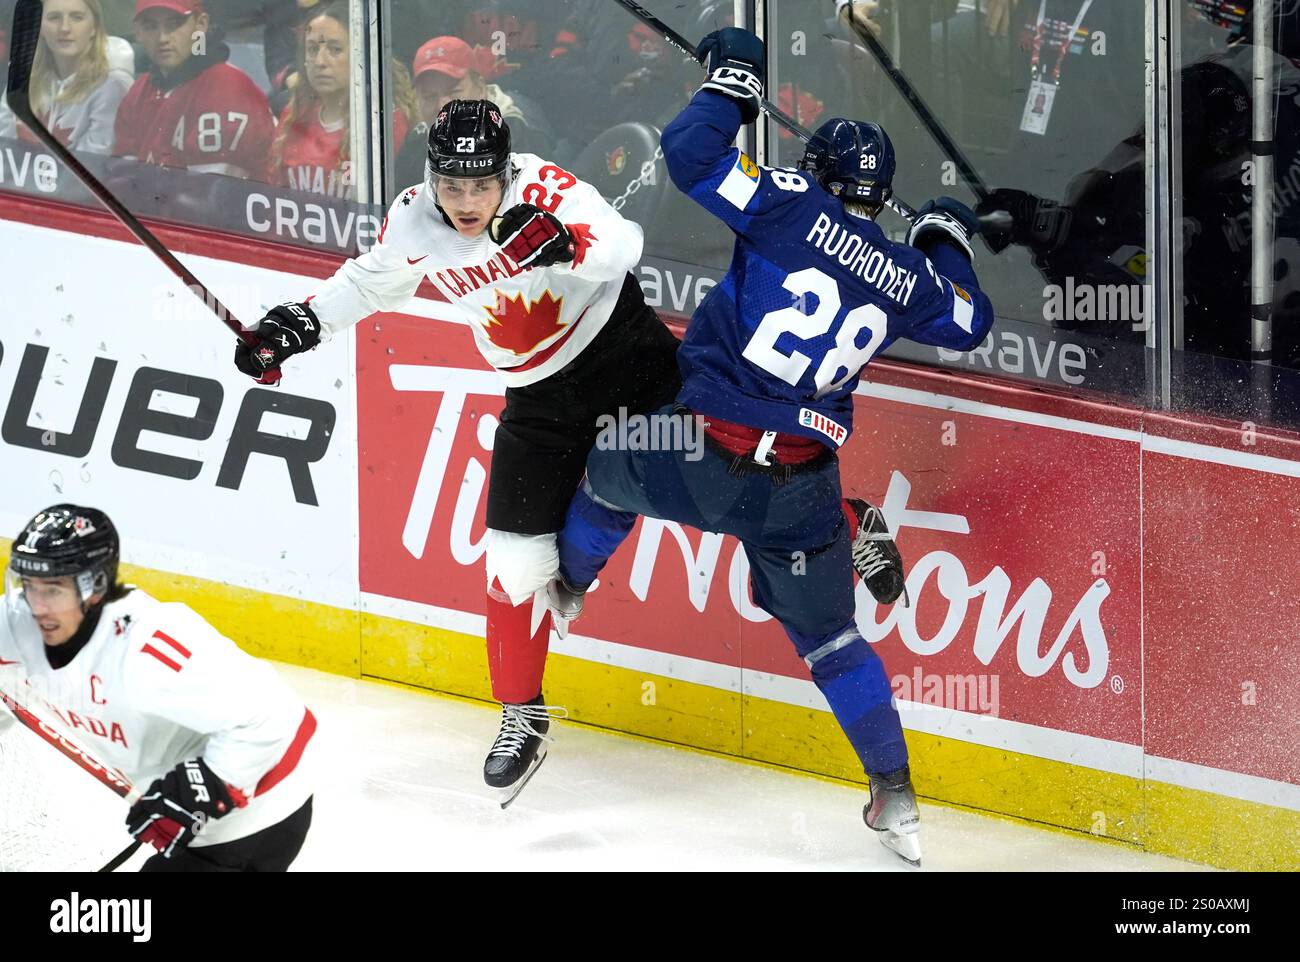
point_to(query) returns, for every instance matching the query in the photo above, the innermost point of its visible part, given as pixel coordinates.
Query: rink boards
(1065, 659)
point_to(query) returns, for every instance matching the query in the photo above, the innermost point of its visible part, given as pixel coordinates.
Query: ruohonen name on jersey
(854, 252)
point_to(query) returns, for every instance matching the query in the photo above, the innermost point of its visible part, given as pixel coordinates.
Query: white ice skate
(565, 602)
(893, 813)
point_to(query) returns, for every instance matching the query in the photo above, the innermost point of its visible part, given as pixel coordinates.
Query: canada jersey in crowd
(217, 122)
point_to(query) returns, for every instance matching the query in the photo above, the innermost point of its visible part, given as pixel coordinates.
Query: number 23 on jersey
(548, 199)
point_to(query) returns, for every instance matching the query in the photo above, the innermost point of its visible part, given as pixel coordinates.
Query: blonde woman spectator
(76, 86)
(312, 148)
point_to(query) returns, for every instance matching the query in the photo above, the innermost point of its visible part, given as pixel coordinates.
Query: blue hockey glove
(944, 219)
(734, 60)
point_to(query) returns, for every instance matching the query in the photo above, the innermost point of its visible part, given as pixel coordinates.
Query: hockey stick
(24, 37)
(772, 110)
(996, 219)
(686, 47)
(909, 93)
(114, 779)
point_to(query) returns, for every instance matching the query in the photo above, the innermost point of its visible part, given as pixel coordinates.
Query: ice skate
(565, 602)
(520, 747)
(875, 556)
(893, 813)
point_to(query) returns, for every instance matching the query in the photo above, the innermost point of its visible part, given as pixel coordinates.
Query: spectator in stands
(79, 76)
(312, 149)
(74, 91)
(447, 68)
(192, 109)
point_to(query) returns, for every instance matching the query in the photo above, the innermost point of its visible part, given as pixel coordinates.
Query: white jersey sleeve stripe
(963, 311)
(739, 186)
(292, 755)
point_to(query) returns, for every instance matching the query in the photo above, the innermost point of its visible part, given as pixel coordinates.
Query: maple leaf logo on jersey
(520, 327)
(582, 241)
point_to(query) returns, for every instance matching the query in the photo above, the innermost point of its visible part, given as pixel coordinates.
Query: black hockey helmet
(67, 540)
(469, 138)
(853, 159)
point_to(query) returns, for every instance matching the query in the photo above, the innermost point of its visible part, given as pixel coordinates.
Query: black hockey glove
(176, 806)
(944, 219)
(286, 330)
(733, 59)
(531, 237)
(1037, 223)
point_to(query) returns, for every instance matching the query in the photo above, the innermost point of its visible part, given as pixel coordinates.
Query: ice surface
(401, 788)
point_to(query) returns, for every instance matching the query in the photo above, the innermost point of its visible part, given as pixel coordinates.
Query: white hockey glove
(944, 219)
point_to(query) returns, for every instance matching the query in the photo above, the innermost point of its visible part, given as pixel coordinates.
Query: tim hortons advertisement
(1022, 543)
(117, 389)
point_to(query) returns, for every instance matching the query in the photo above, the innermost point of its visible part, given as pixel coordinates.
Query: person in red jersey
(192, 109)
(312, 147)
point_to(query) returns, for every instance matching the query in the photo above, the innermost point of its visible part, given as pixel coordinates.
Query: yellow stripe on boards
(1167, 819)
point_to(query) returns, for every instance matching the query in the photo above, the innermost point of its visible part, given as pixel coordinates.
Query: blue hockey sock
(592, 532)
(852, 678)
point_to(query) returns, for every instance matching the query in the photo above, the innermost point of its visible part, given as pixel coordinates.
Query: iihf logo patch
(820, 423)
(82, 526)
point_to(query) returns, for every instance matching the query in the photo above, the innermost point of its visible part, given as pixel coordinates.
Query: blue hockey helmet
(853, 159)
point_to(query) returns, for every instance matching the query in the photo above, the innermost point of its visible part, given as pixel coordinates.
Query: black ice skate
(893, 813)
(520, 747)
(565, 602)
(875, 556)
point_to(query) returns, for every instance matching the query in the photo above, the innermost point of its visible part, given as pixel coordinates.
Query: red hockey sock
(517, 640)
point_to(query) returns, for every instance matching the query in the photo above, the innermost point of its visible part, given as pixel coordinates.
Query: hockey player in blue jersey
(769, 362)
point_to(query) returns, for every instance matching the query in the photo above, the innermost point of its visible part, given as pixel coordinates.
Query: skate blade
(511, 792)
(907, 847)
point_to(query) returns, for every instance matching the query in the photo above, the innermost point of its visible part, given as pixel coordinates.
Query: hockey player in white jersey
(212, 736)
(539, 266)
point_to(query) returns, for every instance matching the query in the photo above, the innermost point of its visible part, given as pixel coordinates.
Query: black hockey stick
(24, 37)
(998, 219)
(909, 93)
(114, 779)
(686, 47)
(903, 209)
